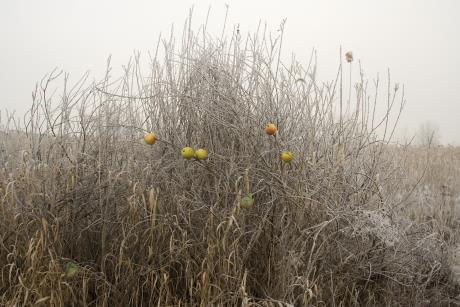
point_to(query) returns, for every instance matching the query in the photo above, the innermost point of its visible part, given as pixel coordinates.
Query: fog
(417, 40)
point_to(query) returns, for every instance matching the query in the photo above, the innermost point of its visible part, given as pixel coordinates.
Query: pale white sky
(417, 39)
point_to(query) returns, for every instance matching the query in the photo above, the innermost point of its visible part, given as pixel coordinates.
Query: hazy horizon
(415, 39)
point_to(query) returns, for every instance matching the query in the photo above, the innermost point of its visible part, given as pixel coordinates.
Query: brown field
(92, 216)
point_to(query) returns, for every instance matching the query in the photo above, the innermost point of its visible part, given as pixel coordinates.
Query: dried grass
(91, 216)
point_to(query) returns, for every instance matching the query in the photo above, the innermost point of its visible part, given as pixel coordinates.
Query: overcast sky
(417, 39)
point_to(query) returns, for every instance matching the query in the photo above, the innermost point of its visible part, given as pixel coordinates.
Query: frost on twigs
(376, 224)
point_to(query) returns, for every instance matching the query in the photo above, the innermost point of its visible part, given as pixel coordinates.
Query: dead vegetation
(91, 216)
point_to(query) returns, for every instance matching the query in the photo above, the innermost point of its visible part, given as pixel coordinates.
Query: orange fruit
(150, 138)
(271, 129)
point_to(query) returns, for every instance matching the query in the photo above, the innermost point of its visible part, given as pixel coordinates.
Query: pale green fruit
(71, 269)
(187, 153)
(247, 201)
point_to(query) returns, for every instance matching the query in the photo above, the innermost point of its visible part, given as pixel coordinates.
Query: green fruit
(247, 201)
(287, 156)
(187, 153)
(201, 154)
(71, 269)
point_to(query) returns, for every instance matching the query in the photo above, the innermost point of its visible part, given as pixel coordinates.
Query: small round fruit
(271, 129)
(287, 156)
(247, 201)
(71, 269)
(150, 138)
(201, 154)
(187, 153)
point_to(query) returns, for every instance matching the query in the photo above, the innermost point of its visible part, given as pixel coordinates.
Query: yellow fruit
(271, 129)
(247, 201)
(187, 153)
(201, 154)
(150, 138)
(287, 156)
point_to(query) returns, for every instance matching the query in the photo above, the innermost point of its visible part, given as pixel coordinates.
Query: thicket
(90, 215)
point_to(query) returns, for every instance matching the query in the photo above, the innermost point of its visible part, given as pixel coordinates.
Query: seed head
(349, 56)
